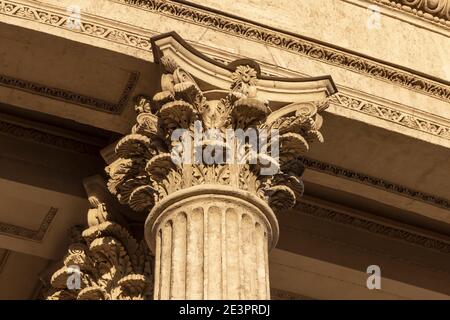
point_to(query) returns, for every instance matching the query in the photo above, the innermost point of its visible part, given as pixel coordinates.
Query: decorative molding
(301, 45)
(376, 182)
(343, 218)
(252, 31)
(391, 114)
(87, 27)
(386, 110)
(42, 137)
(437, 11)
(383, 112)
(60, 20)
(4, 259)
(68, 96)
(113, 265)
(363, 249)
(29, 234)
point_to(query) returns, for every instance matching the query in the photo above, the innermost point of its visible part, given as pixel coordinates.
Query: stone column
(212, 242)
(209, 200)
(211, 224)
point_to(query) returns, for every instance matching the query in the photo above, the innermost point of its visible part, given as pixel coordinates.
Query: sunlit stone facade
(119, 180)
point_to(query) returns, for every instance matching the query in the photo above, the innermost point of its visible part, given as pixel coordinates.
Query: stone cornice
(436, 11)
(353, 102)
(72, 97)
(33, 132)
(29, 234)
(379, 108)
(311, 48)
(383, 111)
(341, 217)
(58, 18)
(392, 114)
(376, 183)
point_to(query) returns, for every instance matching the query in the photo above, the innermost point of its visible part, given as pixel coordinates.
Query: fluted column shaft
(212, 246)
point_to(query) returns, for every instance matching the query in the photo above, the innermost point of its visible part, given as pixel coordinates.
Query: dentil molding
(340, 216)
(72, 97)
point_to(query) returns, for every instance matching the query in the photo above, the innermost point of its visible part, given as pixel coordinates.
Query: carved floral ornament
(104, 261)
(151, 164)
(437, 9)
(145, 172)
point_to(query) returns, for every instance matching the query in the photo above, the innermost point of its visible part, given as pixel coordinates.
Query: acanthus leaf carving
(110, 263)
(146, 172)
